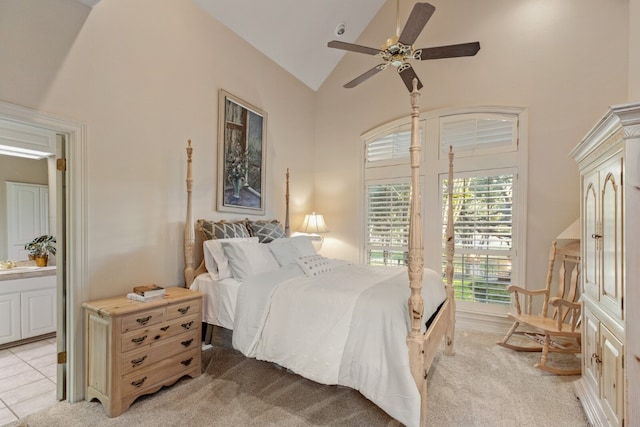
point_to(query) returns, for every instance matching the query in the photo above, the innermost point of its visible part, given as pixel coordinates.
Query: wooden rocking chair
(558, 329)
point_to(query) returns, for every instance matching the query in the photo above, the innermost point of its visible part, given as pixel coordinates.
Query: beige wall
(144, 77)
(564, 61)
(634, 50)
(14, 169)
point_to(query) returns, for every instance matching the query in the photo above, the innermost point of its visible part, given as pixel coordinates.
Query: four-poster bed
(254, 305)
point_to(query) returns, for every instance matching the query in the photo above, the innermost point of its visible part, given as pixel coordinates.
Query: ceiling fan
(399, 49)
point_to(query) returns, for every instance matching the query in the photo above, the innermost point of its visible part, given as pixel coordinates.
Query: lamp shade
(314, 224)
(572, 232)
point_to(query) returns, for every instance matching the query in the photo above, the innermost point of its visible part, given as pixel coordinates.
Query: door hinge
(61, 164)
(62, 357)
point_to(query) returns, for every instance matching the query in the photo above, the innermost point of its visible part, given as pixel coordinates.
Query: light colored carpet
(482, 385)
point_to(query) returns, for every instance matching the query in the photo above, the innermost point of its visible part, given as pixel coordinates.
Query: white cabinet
(602, 373)
(9, 317)
(602, 201)
(27, 307)
(610, 268)
(38, 312)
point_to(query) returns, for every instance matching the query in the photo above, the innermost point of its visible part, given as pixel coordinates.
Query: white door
(27, 216)
(612, 279)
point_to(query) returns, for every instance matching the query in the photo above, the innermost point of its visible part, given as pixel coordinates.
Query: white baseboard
(483, 322)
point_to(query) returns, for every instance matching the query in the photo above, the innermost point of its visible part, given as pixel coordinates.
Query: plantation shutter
(387, 230)
(475, 134)
(484, 249)
(388, 147)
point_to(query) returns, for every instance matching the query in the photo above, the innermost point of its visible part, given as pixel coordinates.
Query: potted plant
(40, 248)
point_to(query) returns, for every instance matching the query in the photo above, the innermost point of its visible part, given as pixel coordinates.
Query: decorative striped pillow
(222, 229)
(266, 231)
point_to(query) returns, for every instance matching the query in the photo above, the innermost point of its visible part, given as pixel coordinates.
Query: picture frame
(242, 149)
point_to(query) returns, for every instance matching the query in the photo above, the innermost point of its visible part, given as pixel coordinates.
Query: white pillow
(248, 259)
(215, 259)
(304, 245)
(284, 251)
(314, 265)
(287, 250)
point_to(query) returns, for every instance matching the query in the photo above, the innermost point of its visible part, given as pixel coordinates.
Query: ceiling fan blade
(353, 47)
(364, 76)
(451, 51)
(418, 18)
(407, 74)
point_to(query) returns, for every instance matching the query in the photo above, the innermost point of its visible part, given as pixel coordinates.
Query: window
(389, 146)
(489, 145)
(483, 223)
(387, 223)
(386, 193)
(476, 134)
(394, 145)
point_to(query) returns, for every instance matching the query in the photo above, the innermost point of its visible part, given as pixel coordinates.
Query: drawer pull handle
(187, 343)
(596, 236)
(143, 320)
(184, 310)
(136, 362)
(139, 382)
(187, 325)
(187, 362)
(164, 329)
(138, 340)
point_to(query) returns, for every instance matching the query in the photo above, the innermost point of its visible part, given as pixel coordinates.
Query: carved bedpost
(189, 235)
(416, 253)
(450, 247)
(287, 230)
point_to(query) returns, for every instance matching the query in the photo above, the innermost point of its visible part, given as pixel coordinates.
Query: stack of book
(146, 293)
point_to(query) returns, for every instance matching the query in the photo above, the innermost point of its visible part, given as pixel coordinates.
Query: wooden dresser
(134, 348)
(608, 159)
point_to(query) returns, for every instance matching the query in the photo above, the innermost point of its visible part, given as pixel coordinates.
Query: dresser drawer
(141, 337)
(144, 357)
(183, 309)
(143, 319)
(137, 381)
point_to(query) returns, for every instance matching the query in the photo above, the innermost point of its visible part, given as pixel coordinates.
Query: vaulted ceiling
(294, 33)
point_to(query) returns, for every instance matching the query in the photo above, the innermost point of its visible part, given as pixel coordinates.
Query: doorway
(67, 172)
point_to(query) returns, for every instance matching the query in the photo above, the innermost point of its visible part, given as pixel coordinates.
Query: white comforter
(346, 327)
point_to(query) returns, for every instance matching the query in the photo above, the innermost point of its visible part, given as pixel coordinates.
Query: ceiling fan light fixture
(391, 45)
(397, 60)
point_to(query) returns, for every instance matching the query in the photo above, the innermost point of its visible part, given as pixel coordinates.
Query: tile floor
(27, 379)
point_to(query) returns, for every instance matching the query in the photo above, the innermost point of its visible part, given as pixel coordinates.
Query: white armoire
(609, 159)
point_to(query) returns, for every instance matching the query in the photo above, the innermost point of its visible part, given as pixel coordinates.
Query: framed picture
(242, 131)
